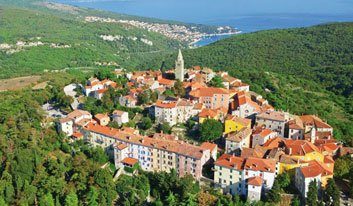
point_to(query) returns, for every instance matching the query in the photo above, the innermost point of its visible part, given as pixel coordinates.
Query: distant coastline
(210, 38)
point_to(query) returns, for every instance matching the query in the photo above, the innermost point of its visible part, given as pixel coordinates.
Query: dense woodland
(87, 48)
(307, 70)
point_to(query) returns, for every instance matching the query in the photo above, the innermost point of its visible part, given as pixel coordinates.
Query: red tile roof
(274, 143)
(230, 161)
(256, 181)
(240, 120)
(263, 133)
(100, 116)
(296, 124)
(240, 135)
(167, 82)
(209, 113)
(315, 169)
(258, 164)
(300, 147)
(101, 91)
(121, 146)
(129, 161)
(166, 104)
(77, 113)
(258, 152)
(314, 121)
(208, 145)
(178, 147)
(77, 135)
(328, 160)
(272, 115)
(164, 136)
(208, 92)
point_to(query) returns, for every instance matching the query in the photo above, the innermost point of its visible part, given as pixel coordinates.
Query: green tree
(178, 89)
(99, 155)
(71, 199)
(146, 123)
(47, 200)
(312, 195)
(92, 197)
(283, 180)
(164, 127)
(217, 81)
(342, 166)
(295, 202)
(143, 98)
(210, 130)
(169, 93)
(274, 195)
(331, 193)
(2, 202)
(171, 199)
(104, 73)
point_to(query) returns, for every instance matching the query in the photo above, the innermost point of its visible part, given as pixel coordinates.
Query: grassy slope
(309, 70)
(86, 46)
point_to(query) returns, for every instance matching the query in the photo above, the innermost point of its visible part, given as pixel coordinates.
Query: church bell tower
(179, 67)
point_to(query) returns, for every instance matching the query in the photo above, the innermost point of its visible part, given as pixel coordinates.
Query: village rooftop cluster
(260, 142)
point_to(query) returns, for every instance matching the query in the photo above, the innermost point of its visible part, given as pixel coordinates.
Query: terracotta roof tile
(178, 147)
(240, 120)
(240, 135)
(121, 146)
(272, 115)
(129, 161)
(256, 181)
(230, 161)
(208, 145)
(274, 142)
(315, 169)
(314, 121)
(258, 164)
(100, 116)
(208, 92)
(166, 104)
(300, 147)
(77, 135)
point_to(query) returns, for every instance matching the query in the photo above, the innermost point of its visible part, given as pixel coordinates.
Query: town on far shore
(206, 124)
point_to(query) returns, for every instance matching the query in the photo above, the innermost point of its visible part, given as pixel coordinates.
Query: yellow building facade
(235, 124)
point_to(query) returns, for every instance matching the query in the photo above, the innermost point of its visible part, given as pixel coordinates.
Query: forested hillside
(308, 70)
(32, 41)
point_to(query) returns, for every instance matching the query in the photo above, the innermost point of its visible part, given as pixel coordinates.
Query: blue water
(246, 15)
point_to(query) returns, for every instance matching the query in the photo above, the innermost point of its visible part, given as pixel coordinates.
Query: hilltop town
(196, 118)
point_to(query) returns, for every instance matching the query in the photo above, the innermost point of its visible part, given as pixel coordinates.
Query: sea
(244, 15)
